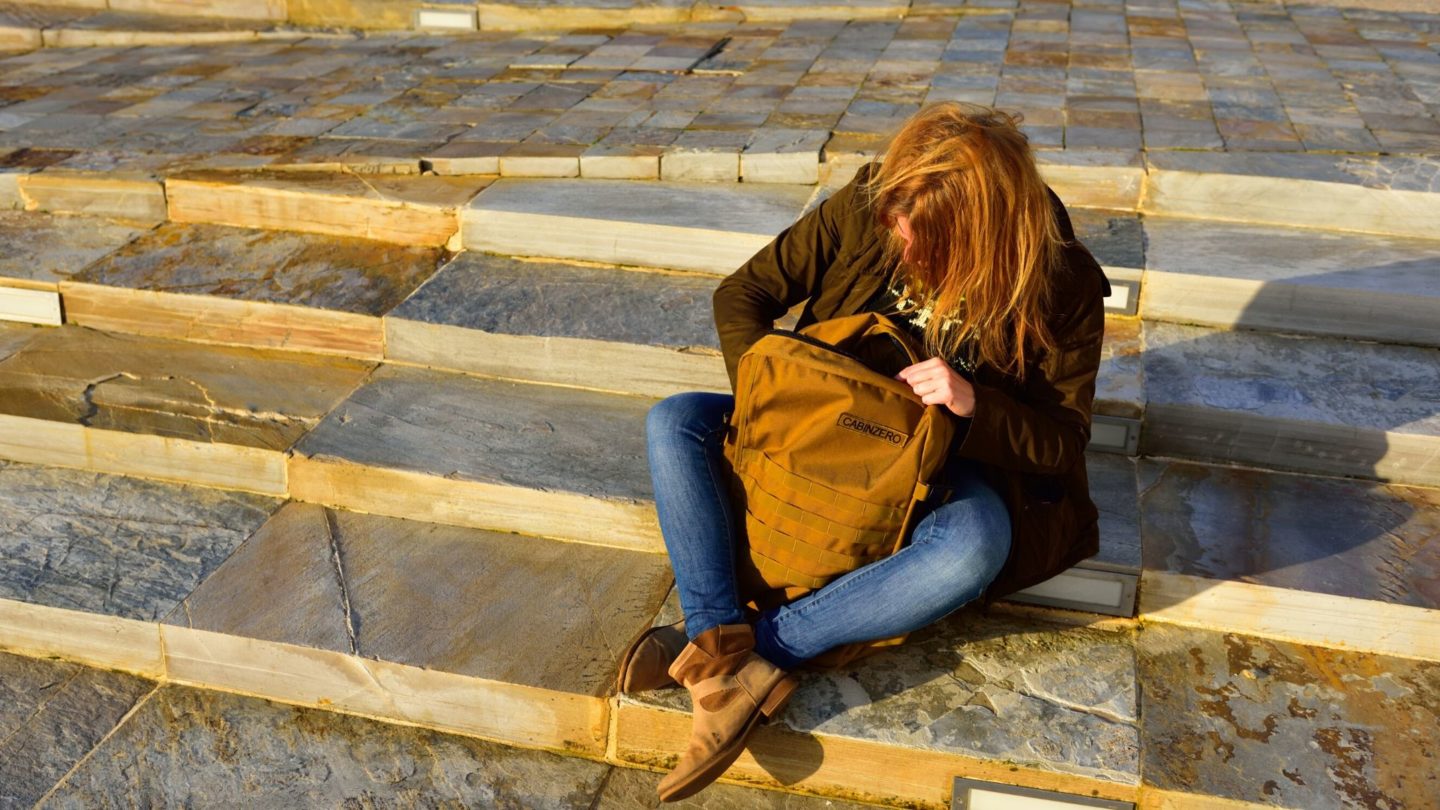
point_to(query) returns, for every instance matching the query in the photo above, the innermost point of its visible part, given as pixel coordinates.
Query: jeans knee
(671, 414)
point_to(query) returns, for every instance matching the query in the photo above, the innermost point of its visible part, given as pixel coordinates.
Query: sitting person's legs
(684, 435)
(954, 552)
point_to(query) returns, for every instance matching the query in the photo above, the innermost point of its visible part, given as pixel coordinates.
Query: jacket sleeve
(781, 275)
(1048, 431)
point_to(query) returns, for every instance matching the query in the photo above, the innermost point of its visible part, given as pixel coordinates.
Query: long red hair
(984, 239)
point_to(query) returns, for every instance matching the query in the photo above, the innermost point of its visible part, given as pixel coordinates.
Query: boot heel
(778, 697)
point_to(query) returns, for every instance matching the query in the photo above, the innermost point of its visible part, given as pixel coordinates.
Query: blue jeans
(955, 551)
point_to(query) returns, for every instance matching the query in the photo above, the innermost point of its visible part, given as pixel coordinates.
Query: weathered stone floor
(1159, 75)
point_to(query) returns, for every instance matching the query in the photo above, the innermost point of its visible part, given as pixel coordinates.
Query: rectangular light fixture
(974, 794)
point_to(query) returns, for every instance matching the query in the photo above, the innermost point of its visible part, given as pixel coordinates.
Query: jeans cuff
(767, 646)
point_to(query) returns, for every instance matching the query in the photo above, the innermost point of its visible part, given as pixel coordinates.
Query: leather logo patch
(850, 421)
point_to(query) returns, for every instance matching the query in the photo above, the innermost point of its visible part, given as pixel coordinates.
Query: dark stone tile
(117, 546)
(503, 295)
(1238, 717)
(52, 713)
(1348, 538)
(194, 748)
(1114, 237)
(634, 789)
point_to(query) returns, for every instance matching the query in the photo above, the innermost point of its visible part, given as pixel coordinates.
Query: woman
(957, 237)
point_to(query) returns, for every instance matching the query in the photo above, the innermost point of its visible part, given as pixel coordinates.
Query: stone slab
(1120, 381)
(634, 789)
(194, 746)
(52, 713)
(543, 460)
(390, 208)
(48, 248)
(1094, 178)
(1049, 705)
(1289, 279)
(679, 225)
(458, 600)
(204, 394)
(1227, 716)
(94, 194)
(565, 323)
(1383, 195)
(115, 546)
(1324, 535)
(1310, 404)
(1113, 488)
(270, 289)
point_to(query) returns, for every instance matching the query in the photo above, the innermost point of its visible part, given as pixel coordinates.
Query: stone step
(32, 26)
(434, 626)
(1383, 288)
(1309, 404)
(155, 742)
(1394, 195)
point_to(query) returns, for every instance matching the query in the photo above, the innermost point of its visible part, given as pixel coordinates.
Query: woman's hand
(936, 383)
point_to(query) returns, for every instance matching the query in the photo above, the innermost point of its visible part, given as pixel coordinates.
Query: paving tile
(115, 546)
(631, 788)
(1249, 719)
(199, 747)
(51, 715)
(430, 596)
(146, 386)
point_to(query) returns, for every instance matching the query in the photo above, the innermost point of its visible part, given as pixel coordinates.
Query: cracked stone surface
(190, 747)
(459, 600)
(1289, 725)
(248, 397)
(53, 247)
(337, 273)
(1325, 380)
(1048, 696)
(117, 546)
(1348, 538)
(51, 714)
(630, 789)
(491, 431)
(16, 336)
(516, 297)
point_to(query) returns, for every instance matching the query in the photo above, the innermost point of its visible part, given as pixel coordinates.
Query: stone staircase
(374, 444)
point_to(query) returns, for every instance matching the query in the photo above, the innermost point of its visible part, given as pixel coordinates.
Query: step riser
(290, 210)
(1182, 431)
(102, 641)
(1318, 619)
(436, 499)
(210, 319)
(1294, 308)
(227, 466)
(95, 195)
(1299, 203)
(849, 768)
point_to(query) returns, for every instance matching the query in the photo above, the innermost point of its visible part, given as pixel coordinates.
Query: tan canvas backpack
(832, 457)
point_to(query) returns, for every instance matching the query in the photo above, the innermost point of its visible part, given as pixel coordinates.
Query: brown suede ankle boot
(732, 690)
(646, 665)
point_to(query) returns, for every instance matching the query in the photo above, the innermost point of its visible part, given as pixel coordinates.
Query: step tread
(1358, 539)
(113, 545)
(504, 295)
(278, 267)
(1372, 386)
(248, 397)
(49, 248)
(465, 601)
(490, 431)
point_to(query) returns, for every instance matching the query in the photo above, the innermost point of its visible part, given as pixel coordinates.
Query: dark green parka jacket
(1030, 437)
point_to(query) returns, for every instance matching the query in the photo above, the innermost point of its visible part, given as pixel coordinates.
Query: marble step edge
(609, 728)
(1234, 189)
(63, 36)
